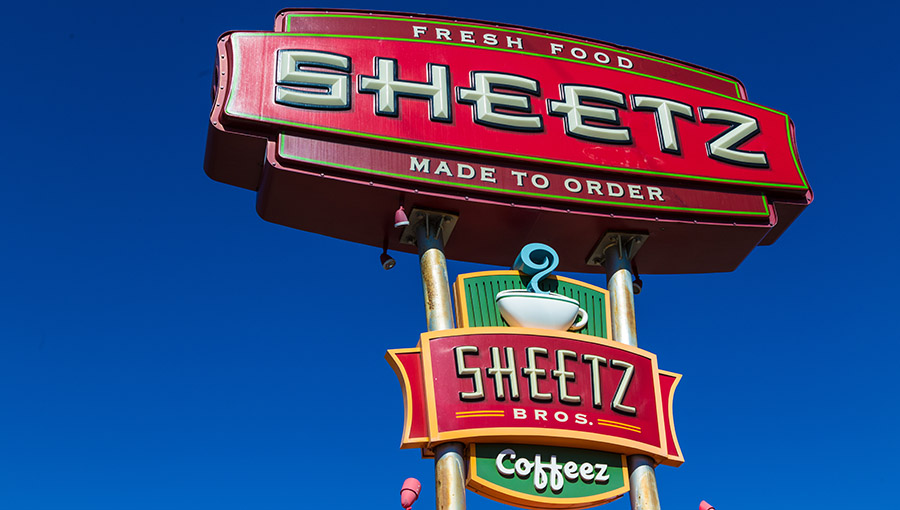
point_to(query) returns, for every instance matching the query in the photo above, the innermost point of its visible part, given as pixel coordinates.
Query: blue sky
(161, 346)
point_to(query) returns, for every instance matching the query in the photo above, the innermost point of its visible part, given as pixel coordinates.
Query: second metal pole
(642, 475)
(449, 462)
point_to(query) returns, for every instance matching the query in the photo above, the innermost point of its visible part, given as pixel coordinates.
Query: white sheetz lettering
(321, 80)
(331, 90)
(505, 374)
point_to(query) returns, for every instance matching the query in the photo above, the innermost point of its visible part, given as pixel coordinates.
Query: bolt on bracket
(437, 222)
(628, 242)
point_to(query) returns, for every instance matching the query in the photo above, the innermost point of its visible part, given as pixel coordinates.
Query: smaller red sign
(529, 385)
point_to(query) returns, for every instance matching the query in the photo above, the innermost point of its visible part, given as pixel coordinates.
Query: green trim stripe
(512, 192)
(511, 31)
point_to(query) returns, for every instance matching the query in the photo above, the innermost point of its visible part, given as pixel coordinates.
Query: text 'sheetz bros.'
(508, 124)
(550, 387)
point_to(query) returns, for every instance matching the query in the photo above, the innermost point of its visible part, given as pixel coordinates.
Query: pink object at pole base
(706, 506)
(409, 493)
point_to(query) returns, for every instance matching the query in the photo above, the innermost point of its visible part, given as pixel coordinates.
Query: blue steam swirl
(537, 260)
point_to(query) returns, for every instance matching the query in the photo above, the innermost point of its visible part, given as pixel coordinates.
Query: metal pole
(642, 475)
(449, 463)
(449, 481)
(430, 242)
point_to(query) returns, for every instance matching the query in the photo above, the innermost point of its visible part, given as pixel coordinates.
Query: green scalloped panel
(482, 311)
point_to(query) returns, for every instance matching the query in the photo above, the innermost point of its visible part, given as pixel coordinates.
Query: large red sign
(539, 386)
(518, 106)
(445, 113)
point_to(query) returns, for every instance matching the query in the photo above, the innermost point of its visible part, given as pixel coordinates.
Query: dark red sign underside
(489, 231)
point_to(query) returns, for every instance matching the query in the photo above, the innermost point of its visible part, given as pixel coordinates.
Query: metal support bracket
(628, 243)
(437, 222)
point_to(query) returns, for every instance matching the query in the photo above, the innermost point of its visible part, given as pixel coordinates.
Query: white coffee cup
(525, 309)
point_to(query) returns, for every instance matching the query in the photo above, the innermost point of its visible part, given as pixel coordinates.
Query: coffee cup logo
(533, 307)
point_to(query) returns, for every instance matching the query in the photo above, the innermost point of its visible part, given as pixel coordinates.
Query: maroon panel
(415, 384)
(667, 384)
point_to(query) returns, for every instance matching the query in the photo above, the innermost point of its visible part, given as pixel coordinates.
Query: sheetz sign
(580, 400)
(343, 120)
(503, 124)
(554, 387)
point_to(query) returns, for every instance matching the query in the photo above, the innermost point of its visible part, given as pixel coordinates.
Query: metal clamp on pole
(615, 252)
(430, 230)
